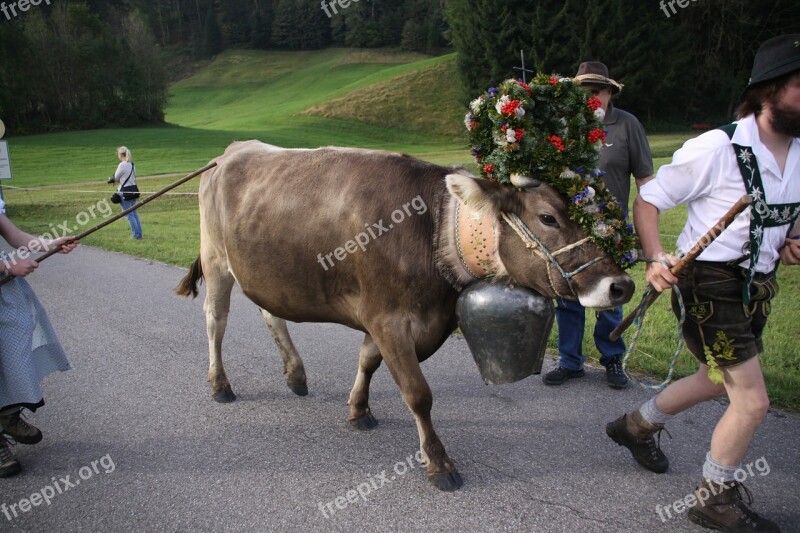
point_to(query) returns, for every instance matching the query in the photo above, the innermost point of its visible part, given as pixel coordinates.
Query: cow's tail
(188, 285)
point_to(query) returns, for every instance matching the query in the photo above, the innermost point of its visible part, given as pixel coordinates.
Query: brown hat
(596, 73)
(775, 57)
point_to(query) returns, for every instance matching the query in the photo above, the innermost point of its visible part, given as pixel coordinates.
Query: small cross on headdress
(523, 69)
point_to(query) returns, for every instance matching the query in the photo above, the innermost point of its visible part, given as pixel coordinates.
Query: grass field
(377, 99)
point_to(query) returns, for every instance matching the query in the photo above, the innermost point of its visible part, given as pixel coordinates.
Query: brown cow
(367, 239)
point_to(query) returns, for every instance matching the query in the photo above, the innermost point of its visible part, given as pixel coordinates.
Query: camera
(110, 180)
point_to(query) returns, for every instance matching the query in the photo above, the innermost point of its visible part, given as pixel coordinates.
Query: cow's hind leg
(292, 363)
(397, 347)
(369, 359)
(219, 283)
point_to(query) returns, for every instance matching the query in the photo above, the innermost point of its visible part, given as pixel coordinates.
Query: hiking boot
(635, 433)
(560, 375)
(17, 428)
(722, 507)
(615, 376)
(9, 465)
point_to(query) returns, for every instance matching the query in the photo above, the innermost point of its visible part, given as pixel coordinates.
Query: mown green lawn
(246, 95)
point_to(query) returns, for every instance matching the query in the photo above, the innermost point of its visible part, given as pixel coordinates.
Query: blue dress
(29, 347)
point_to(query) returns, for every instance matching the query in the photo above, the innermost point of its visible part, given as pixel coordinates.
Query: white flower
(745, 156)
(467, 120)
(599, 114)
(567, 174)
(602, 230)
(511, 135)
(475, 105)
(520, 112)
(589, 193)
(591, 208)
(503, 100)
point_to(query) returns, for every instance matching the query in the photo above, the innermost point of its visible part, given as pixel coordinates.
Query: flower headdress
(551, 130)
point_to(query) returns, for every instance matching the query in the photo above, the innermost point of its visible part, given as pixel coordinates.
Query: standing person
(625, 152)
(29, 347)
(726, 294)
(126, 177)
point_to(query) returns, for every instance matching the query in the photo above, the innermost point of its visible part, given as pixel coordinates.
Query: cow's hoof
(225, 395)
(298, 388)
(447, 482)
(363, 423)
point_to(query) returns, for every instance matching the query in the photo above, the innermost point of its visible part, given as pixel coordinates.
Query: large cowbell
(506, 329)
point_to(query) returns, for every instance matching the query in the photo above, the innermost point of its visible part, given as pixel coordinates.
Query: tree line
(95, 63)
(680, 64)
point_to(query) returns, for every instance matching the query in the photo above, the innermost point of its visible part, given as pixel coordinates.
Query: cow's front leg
(292, 363)
(395, 343)
(369, 359)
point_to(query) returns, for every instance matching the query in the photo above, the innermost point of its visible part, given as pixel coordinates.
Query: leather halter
(539, 249)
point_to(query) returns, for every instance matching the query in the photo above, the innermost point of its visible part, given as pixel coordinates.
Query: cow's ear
(484, 195)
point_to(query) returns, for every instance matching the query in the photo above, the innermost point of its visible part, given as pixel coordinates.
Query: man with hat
(625, 152)
(727, 290)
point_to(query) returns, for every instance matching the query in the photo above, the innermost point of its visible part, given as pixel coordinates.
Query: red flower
(553, 80)
(504, 127)
(597, 135)
(594, 103)
(488, 169)
(556, 141)
(519, 133)
(525, 86)
(510, 107)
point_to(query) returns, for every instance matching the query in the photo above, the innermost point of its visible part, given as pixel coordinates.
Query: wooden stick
(696, 250)
(118, 216)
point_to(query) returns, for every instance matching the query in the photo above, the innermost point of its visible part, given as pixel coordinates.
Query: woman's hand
(658, 273)
(22, 267)
(790, 253)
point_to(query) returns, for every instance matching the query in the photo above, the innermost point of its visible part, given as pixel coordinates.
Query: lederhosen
(727, 305)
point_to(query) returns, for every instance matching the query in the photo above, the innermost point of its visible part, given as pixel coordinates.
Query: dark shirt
(625, 152)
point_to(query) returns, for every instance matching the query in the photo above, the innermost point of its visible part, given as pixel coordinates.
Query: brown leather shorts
(718, 324)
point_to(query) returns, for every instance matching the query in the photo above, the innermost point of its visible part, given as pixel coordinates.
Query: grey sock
(713, 471)
(652, 413)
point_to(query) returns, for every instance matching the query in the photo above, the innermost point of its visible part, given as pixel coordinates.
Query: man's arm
(645, 218)
(790, 253)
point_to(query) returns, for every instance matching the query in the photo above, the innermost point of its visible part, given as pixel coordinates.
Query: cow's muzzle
(610, 292)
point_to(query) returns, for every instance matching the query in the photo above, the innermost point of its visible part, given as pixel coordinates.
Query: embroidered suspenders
(762, 214)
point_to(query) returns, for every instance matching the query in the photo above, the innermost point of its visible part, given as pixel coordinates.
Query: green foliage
(78, 71)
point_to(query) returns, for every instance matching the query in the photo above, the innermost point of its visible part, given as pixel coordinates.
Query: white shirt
(705, 175)
(123, 170)
(2, 207)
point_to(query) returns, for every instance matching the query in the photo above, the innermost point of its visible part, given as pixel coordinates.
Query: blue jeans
(133, 218)
(571, 318)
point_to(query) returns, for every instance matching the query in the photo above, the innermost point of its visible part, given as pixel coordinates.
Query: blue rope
(638, 321)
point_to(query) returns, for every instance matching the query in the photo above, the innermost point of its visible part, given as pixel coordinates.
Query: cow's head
(543, 210)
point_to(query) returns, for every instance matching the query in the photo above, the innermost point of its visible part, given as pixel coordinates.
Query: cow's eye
(548, 220)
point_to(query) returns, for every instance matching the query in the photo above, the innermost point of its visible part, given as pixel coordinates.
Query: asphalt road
(134, 427)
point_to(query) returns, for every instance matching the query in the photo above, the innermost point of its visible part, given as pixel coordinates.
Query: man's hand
(111, 180)
(658, 274)
(790, 253)
(22, 267)
(68, 244)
